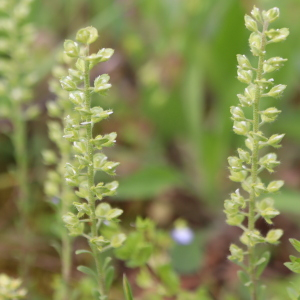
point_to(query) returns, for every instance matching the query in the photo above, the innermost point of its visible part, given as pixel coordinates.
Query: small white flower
(182, 235)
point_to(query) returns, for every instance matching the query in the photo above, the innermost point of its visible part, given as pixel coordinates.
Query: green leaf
(244, 278)
(106, 263)
(109, 277)
(294, 295)
(295, 243)
(148, 182)
(169, 278)
(262, 263)
(77, 252)
(87, 271)
(127, 289)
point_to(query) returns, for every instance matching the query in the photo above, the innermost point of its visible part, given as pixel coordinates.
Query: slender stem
(66, 238)
(254, 167)
(90, 177)
(21, 156)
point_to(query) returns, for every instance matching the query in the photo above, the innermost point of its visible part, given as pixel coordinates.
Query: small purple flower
(55, 200)
(182, 235)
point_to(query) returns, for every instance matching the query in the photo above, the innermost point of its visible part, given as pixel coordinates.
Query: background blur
(174, 80)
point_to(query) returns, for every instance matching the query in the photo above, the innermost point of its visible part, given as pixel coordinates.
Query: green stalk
(90, 177)
(66, 239)
(21, 156)
(254, 165)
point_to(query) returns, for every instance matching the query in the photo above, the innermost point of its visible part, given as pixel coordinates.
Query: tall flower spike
(248, 164)
(91, 216)
(17, 77)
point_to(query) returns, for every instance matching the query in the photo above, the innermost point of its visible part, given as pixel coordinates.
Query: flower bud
(275, 139)
(244, 100)
(256, 14)
(117, 240)
(271, 15)
(70, 219)
(237, 113)
(77, 98)
(68, 84)
(100, 242)
(102, 209)
(243, 62)
(274, 235)
(110, 167)
(273, 64)
(98, 114)
(251, 238)
(234, 162)
(277, 35)
(87, 35)
(241, 128)
(244, 156)
(270, 114)
(51, 188)
(71, 48)
(255, 42)
(238, 176)
(250, 92)
(276, 91)
(258, 188)
(269, 161)
(53, 109)
(106, 54)
(231, 208)
(235, 220)
(244, 76)
(250, 23)
(83, 208)
(237, 254)
(275, 186)
(237, 198)
(113, 214)
(49, 157)
(101, 83)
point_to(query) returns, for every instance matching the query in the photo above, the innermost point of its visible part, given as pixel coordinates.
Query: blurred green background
(174, 80)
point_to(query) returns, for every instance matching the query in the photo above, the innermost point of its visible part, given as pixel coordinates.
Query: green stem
(21, 156)
(66, 239)
(254, 167)
(90, 178)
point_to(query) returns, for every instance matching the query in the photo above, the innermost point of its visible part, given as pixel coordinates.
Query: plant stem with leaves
(247, 166)
(90, 158)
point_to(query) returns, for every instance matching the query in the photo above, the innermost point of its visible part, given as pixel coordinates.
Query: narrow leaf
(87, 271)
(262, 263)
(127, 289)
(110, 272)
(83, 251)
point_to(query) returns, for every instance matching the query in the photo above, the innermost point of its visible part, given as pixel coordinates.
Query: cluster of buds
(16, 65)
(10, 288)
(86, 148)
(246, 166)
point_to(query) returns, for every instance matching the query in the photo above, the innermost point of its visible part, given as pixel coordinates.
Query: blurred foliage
(174, 79)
